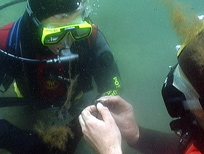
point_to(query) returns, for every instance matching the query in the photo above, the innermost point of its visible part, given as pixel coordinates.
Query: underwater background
(143, 40)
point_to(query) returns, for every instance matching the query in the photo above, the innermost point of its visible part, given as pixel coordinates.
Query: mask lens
(81, 33)
(54, 38)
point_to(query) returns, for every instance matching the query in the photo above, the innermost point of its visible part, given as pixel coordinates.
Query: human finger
(114, 103)
(88, 111)
(91, 108)
(105, 113)
(81, 121)
(111, 100)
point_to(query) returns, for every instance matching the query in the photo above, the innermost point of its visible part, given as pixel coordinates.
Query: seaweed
(55, 137)
(184, 20)
(70, 91)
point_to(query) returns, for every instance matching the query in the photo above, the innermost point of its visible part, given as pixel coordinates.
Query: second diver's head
(61, 22)
(191, 62)
(183, 89)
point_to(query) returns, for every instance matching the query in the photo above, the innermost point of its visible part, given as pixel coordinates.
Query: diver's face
(199, 114)
(62, 20)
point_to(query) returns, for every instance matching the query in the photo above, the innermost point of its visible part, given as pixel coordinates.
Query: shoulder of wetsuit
(6, 73)
(4, 35)
(8, 44)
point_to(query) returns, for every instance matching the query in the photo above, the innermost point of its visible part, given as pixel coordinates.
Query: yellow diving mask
(52, 36)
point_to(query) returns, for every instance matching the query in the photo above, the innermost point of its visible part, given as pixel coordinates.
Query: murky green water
(143, 42)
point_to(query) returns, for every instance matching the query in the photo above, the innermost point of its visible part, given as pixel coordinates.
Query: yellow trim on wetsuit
(18, 93)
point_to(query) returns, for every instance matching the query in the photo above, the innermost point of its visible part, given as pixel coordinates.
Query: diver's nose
(68, 40)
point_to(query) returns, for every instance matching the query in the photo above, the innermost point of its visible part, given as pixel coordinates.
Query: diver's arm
(17, 140)
(106, 72)
(152, 141)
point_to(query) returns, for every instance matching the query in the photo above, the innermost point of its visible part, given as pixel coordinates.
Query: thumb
(105, 113)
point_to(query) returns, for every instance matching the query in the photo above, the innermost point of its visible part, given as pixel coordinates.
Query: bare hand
(124, 117)
(103, 135)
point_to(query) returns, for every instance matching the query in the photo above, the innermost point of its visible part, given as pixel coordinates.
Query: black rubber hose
(11, 3)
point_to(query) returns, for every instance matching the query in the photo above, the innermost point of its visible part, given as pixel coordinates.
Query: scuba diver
(183, 95)
(52, 53)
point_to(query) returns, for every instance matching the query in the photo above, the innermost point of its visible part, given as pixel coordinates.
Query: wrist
(133, 139)
(112, 150)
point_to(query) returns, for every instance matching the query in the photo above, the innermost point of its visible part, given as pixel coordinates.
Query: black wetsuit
(151, 141)
(40, 82)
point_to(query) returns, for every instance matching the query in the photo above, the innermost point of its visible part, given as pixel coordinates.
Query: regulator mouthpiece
(65, 56)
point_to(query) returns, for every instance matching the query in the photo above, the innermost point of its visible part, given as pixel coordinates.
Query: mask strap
(30, 13)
